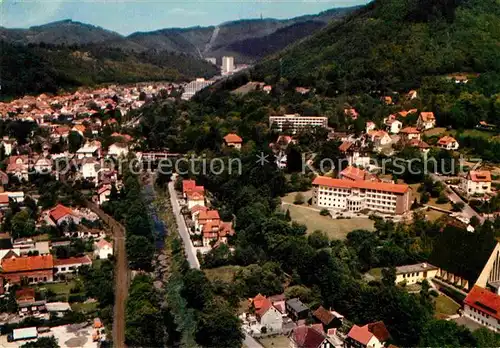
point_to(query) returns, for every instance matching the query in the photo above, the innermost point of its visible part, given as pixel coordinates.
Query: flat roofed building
(296, 122)
(416, 273)
(354, 196)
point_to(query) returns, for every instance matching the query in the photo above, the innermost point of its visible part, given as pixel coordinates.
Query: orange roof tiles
(484, 301)
(353, 173)
(190, 185)
(446, 140)
(209, 215)
(410, 130)
(345, 146)
(427, 116)
(73, 261)
(480, 175)
(59, 212)
(233, 138)
(29, 263)
(367, 185)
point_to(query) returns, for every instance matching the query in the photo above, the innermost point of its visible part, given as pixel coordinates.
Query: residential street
(183, 231)
(250, 342)
(467, 211)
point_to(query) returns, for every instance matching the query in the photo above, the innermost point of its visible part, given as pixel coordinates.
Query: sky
(128, 16)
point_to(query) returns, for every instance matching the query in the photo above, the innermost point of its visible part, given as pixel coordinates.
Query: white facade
(103, 250)
(482, 318)
(195, 86)
(272, 320)
(475, 187)
(227, 65)
(395, 126)
(357, 196)
(297, 122)
(89, 170)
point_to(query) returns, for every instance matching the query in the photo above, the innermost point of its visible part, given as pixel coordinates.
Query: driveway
(467, 211)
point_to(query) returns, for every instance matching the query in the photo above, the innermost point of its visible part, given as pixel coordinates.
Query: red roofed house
(61, 214)
(213, 229)
(448, 143)
(25, 296)
(18, 166)
(372, 335)
(103, 249)
(309, 337)
(71, 264)
(354, 196)
(426, 120)
(477, 182)
(409, 133)
(233, 140)
(32, 268)
(267, 315)
(194, 195)
(483, 307)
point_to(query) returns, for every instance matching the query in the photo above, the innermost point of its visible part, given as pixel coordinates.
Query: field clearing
(432, 201)
(333, 228)
(275, 342)
(445, 306)
(59, 288)
(435, 131)
(433, 215)
(224, 273)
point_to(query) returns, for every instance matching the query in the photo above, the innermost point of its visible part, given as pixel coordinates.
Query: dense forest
(393, 44)
(47, 68)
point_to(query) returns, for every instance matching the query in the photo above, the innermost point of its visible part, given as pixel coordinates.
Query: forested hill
(394, 43)
(47, 68)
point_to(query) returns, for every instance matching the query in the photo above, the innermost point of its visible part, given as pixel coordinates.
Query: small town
(250, 175)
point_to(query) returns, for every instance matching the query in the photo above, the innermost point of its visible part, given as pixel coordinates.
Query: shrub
(299, 199)
(324, 212)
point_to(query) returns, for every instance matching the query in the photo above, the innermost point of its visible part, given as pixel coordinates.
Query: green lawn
(84, 308)
(224, 273)
(445, 306)
(333, 228)
(58, 288)
(275, 342)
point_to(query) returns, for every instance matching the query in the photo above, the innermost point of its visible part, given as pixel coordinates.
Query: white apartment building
(297, 122)
(354, 196)
(227, 65)
(483, 307)
(194, 87)
(477, 182)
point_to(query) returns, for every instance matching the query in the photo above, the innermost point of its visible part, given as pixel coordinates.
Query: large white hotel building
(354, 196)
(297, 122)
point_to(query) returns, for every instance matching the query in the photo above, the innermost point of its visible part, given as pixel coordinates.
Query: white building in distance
(227, 65)
(296, 122)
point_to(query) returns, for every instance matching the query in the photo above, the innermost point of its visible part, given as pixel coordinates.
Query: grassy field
(59, 288)
(333, 228)
(275, 342)
(434, 131)
(225, 273)
(445, 306)
(85, 308)
(289, 198)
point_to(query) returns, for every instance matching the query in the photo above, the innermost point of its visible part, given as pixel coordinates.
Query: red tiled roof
(59, 212)
(360, 334)
(410, 130)
(29, 263)
(345, 146)
(427, 116)
(232, 138)
(73, 261)
(419, 143)
(209, 215)
(446, 140)
(307, 337)
(369, 185)
(379, 330)
(480, 175)
(27, 294)
(4, 198)
(102, 243)
(190, 185)
(195, 195)
(198, 208)
(484, 301)
(323, 315)
(353, 173)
